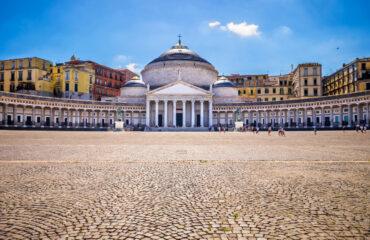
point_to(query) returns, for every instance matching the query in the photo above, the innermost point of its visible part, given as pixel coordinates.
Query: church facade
(180, 89)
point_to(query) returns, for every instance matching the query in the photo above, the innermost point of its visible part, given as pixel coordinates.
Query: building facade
(352, 77)
(181, 90)
(26, 75)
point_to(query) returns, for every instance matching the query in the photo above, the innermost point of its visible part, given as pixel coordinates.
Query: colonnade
(179, 107)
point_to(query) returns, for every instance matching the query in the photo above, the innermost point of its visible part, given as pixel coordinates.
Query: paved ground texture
(118, 185)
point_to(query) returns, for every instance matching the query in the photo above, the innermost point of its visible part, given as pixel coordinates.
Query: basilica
(180, 90)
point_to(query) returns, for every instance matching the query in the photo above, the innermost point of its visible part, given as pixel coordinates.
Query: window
(315, 91)
(363, 66)
(58, 70)
(289, 91)
(115, 77)
(76, 75)
(273, 99)
(281, 83)
(239, 92)
(110, 75)
(90, 79)
(2, 65)
(305, 82)
(20, 63)
(90, 89)
(281, 99)
(251, 92)
(258, 91)
(29, 63)
(281, 90)
(58, 81)
(266, 99)
(1, 77)
(315, 81)
(12, 76)
(249, 78)
(314, 71)
(244, 91)
(266, 90)
(12, 87)
(67, 86)
(305, 73)
(76, 87)
(274, 90)
(367, 86)
(13, 64)
(285, 83)
(44, 65)
(1, 87)
(67, 75)
(305, 92)
(20, 75)
(259, 99)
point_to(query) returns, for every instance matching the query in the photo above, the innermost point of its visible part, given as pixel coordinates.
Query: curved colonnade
(19, 110)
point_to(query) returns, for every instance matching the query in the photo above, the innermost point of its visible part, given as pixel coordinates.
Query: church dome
(135, 82)
(223, 82)
(164, 69)
(179, 52)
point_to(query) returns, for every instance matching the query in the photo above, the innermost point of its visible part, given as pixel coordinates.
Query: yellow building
(263, 88)
(352, 77)
(73, 80)
(307, 80)
(26, 75)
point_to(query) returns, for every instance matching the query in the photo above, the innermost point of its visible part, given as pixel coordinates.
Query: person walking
(315, 130)
(269, 130)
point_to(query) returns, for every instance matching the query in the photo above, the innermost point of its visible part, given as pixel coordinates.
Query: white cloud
(223, 28)
(121, 58)
(133, 67)
(243, 29)
(284, 30)
(213, 24)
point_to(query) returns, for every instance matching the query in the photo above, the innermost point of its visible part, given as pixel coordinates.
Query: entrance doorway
(47, 121)
(198, 120)
(179, 119)
(29, 121)
(160, 120)
(9, 119)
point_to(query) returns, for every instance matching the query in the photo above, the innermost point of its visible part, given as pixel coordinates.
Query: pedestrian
(365, 127)
(223, 129)
(357, 127)
(269, 130)
(343, 128)
(282, 132)
(315, 130)
(257, 130)
(362, 129)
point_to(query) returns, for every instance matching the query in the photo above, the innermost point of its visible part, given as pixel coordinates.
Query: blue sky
(245, 37)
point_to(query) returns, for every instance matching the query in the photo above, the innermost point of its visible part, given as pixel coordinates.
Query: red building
(108, 81)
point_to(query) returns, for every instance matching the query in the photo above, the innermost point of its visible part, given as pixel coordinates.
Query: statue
(238, 115)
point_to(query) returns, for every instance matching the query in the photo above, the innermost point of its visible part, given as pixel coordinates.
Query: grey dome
(179, 52)
(223, 82)
(135, 82)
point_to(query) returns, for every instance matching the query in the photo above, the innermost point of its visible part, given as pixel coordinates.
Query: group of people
(361, 128)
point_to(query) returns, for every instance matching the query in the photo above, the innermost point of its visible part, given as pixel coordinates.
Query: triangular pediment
(179, 88)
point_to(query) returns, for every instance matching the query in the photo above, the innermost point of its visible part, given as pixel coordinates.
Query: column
(340, 116)
(210, 114)
(174, 113)
(108, 118)
(201, 113)
(296, 117)
(132, 117)
(226, 118)
(91, 118)
(115, 116)
(147, 117)
(257, 118)
(349, 115)
(139, 116)
(42, 116)
(24, 116)
(77, 122)
(14, 114)
(51, 116)
(249, 117)
(322, 116)
(281, 117)
(358, 113)
(313, 116)
(265, 117)
(165, 114)
(67, 117)
(184, 113)
(289, 122)
(99, 118)
(367, 113)
(218, 118)
(305, 117)
(156, 113)
(192, 113)
(331, 116)
(84, 118)
(272, 118)
(5, 114)
(124, 117)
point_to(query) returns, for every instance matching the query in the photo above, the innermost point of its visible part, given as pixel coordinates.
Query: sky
(237, 37)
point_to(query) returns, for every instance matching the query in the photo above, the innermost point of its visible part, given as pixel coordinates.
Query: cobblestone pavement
(183, 199)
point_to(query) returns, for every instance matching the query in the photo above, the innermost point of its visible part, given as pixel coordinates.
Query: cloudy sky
(245, 37)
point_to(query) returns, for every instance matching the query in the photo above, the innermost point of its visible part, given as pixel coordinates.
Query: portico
(179, 104)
